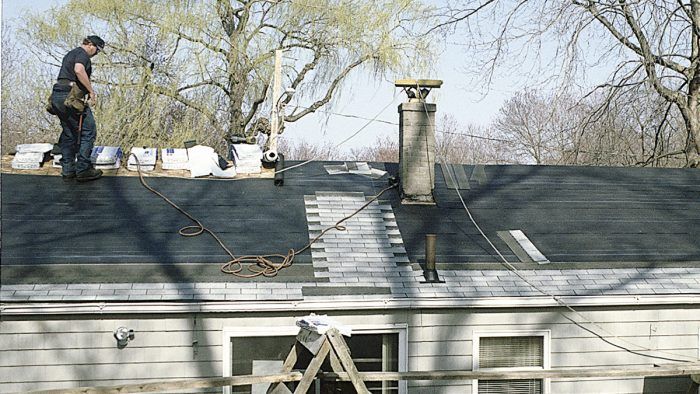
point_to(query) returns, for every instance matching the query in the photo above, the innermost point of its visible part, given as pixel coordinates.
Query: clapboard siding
(91, 340)
(587, 345)
(538, 315)
(128, 355)
(81, 350)
(131, 371)
(439, 362)
(69, 384)
(447, 348)
(441, 387)
(663, 385)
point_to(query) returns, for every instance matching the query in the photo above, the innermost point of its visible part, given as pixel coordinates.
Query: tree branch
(329, 93)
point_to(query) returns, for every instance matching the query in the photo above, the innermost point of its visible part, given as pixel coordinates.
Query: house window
(511, 351)
(372, 350)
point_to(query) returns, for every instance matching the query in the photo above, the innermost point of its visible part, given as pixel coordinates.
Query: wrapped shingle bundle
(246, 158)
(30, 156)
(146, 159)
(174, 159)
(106, 157)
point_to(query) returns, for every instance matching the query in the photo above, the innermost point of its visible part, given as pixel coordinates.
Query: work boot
(68, 177)
(88, 175)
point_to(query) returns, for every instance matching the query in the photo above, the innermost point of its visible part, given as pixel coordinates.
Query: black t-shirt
(77, 55)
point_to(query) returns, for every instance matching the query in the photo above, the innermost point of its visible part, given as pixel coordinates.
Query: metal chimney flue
(417, 142)
(429, 272)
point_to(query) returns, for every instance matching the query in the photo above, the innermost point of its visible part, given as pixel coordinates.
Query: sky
(364, 97)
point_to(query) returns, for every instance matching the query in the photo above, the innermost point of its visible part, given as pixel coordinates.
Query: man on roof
(71, 98)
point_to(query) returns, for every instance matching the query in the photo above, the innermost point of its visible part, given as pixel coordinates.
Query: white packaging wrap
(204, 161)
(106, 155)
(146, 159)
(246, 158)
(174, 159)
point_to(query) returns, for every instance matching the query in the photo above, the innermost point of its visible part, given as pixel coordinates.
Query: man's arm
(80, 72)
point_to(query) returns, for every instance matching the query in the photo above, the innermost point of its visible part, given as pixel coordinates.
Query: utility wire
(345, 140)
(556, 298)
(350, 115)
(396, 124)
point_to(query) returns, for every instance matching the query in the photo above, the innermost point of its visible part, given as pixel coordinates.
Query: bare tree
(384, 149)
(538, 128)
(455, 144)
(305, 150)
(467, 144)
(651, 45)
(545, 128)
(216, 57)
(24, 98)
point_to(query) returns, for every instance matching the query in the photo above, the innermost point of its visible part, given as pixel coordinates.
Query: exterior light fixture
(123, 335)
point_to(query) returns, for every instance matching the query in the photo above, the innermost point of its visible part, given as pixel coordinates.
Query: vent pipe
(429, 272)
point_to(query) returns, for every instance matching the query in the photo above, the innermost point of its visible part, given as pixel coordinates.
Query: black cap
(99, 43)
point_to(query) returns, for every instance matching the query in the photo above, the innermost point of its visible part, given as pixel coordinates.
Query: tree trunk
(236, 123)
(692, 114)
(692, 122)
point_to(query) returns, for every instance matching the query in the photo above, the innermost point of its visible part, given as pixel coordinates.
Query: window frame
(266, 331)
(546, 351)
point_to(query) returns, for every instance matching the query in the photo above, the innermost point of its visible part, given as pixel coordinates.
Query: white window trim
(266, 331)
(547, 339)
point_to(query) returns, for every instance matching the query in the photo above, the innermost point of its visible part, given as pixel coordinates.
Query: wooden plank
(560, 373)
(684, 369)
(311, 340)
(313, 368)
(176, 385)
(280, 388)
(343, 353)
(335, 362)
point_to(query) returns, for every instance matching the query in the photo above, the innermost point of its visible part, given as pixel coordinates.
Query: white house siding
(71, 351)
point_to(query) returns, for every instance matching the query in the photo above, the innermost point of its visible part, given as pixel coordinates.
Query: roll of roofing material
(270, 156)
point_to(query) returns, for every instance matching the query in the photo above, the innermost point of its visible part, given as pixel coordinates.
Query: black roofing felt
(572, 214)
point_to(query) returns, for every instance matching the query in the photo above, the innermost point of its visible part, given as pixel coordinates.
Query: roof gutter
(97, 308)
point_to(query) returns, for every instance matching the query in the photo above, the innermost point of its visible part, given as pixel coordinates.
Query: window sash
(514, 386)
(511, 351)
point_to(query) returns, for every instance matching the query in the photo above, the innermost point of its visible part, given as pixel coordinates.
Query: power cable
(251, 266)
(345, 140)
(350, 116)
(396, 124)
(557, 299)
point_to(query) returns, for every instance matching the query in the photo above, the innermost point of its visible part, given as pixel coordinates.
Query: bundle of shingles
(106, 157)
(142, 158)
(174, 159)
(246, 158)
(30, 156)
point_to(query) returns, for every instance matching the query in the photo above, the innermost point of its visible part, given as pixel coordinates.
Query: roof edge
(101, 308)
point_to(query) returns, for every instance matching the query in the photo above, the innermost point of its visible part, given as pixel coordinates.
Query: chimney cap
(418, 83)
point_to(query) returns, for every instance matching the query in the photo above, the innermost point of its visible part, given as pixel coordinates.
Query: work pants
(75, 141)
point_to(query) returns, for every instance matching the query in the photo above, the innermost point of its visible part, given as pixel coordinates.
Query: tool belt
(75, 99)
